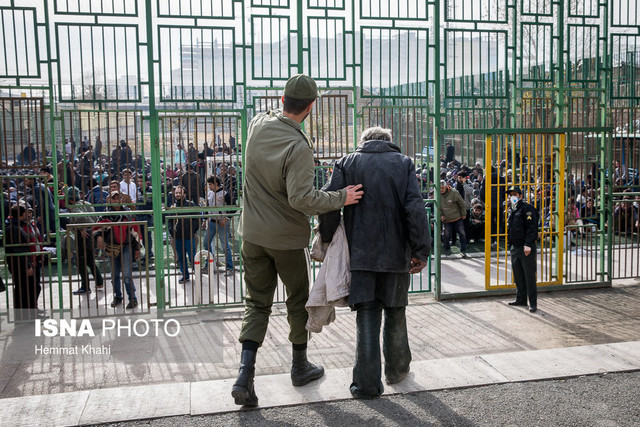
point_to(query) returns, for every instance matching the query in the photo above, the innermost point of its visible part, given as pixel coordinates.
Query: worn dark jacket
(183, 228)
(523, 225)
(389, 226)
(193, 186)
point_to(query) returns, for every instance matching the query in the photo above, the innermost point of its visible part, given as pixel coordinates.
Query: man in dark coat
(22, 266)
(183, 231)
(388, 235)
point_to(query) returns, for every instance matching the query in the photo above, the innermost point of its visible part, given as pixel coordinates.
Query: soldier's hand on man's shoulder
(354, 194)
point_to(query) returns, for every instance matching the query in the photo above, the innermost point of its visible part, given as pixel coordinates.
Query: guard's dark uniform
(523, 231)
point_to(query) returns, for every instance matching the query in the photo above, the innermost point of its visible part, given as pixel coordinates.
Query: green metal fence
(162, 75)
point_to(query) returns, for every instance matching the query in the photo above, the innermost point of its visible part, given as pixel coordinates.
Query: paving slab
(561, 362)
(49, 409)
(133, 403)
(447, 373)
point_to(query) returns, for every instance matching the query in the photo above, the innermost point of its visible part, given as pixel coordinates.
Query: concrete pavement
(454, 344)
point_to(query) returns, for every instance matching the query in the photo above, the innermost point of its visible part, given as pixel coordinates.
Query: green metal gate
(156, 74)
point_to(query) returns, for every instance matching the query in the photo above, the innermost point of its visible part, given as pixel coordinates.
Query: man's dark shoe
(447, 252)
(100, 286)
(183, 280)
(396, 379)
(243, 392)
(82, 291)
(116, 302)
(303, 371)
(518, 304)
(132, 304)
(533, 309)
(357, 394)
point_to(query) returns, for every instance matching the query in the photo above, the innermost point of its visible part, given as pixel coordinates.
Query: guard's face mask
(514, 201)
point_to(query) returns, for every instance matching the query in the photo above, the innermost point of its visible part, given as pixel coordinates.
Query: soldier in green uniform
(279, 196)
(522, 229)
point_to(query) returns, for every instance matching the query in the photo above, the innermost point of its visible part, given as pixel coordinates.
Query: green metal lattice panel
(197, 9)
(197, 63)
(625, 13)
(584, 8)
(477, 60)
(626, 66)
(536, 47)
(19, 49)
(327, 59)
(396, 10)
(271, 3)
(494, 11)
(98, 62)
(326, 4)
(583, 46)
(96, 7)
(536, 8)
(272, 54)
(404, 67)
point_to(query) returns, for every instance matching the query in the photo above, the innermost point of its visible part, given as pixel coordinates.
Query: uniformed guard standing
(522, 229)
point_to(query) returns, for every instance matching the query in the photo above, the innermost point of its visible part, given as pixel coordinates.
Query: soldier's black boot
(303, 371)
(243, 391)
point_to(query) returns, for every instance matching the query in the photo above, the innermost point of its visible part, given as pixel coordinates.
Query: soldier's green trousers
(262, 266)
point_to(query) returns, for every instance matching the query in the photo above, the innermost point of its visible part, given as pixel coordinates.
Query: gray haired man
(388, 235)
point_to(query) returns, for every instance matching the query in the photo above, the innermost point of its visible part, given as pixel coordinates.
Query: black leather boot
(243, 391)
(303, 371)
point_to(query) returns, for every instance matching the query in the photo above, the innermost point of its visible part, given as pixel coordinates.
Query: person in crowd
(29, 155)
(208, 151)
(497, 203)
(384, 251)
(466, 192)
(43, 203)
(192, 153)
(97, 197)
(97, 149)
(201, 168)
(274, 225)
(122, 243)
(625, 217)
(121, 156)
(230, 183)
(589, 213)
(476, 222)
(180, 157)
(522, 233)
(127, 186)
(453, 213)
(192, 184)
(114, 185)
(145, 195)
(183, 231)
(218, 224)
(84, 241)
(22, 266)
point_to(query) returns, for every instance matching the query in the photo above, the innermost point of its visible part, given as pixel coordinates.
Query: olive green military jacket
(279, 195)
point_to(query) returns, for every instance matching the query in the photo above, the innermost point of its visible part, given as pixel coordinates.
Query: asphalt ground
(596, 400)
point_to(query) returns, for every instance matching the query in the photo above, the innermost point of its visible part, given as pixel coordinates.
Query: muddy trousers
(397, 355)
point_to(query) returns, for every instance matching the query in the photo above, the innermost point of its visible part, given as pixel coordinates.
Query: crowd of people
(118, 186)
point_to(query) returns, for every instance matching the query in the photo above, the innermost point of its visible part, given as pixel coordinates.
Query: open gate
(537, 163)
